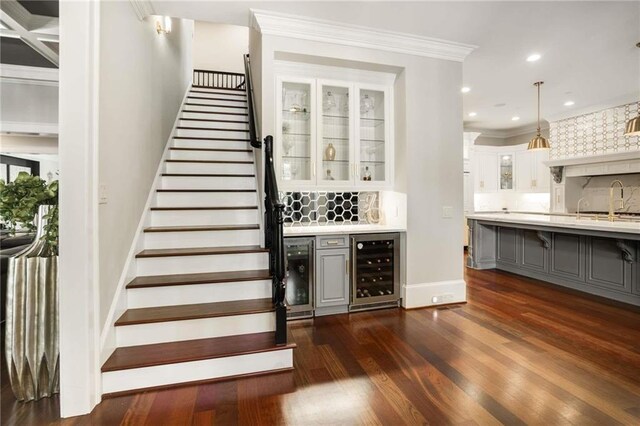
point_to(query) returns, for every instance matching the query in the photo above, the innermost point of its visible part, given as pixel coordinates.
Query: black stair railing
(273, 214)
(218, 79)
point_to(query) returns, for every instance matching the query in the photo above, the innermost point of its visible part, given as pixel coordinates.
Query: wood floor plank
(520, 351)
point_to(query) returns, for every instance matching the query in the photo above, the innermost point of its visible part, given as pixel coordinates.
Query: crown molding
(143, 8)
(305, 28)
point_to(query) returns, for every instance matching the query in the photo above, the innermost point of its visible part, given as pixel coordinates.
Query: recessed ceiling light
(515, 118)
(465, 89)
(533, 57)
(569, 103)
(473, 114)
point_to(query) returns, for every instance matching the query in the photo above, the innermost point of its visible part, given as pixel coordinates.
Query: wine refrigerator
(299, 253)
(375, 273)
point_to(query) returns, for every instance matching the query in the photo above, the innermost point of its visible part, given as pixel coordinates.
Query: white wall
(219, 47)
(29, 144)
(143, 78)
(430, 156)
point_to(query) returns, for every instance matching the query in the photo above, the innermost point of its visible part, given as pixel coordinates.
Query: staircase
(201, 307)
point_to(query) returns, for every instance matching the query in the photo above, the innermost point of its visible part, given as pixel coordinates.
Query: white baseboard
(422, 294)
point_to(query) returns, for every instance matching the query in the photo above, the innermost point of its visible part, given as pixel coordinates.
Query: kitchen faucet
(578, 210)
(612, 215)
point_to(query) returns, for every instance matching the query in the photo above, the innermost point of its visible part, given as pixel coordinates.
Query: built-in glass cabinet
(296, 132)
(506, 172)
(333, 134)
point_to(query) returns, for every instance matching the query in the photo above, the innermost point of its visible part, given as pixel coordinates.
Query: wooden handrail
(273, 214)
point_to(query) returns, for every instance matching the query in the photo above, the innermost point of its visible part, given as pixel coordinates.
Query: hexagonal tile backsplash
(329, 208)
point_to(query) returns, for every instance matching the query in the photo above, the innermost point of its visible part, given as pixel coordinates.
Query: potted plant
(32, 325)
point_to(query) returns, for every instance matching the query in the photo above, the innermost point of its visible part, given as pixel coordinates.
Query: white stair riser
(219, 94)
(175, 331)
(218, 89)
(206, 199)
(216, 116)
(210, 168)
(196, 264)
(215, 124)
(211, 155)
(218, 102)
(159, 375)
(197, 293)
(208, 108)
(207, 182)
(230, 134)
(220, 144)
(204, 217)
(159, 240)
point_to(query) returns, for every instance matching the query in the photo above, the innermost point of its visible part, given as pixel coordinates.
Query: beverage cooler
(300, 271)
(375, 274)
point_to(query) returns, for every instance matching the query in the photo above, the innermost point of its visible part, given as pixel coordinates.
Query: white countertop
(301, 230)
(559, 221)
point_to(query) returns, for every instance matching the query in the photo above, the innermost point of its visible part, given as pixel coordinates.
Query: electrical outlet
(442, 298)
(447, 212)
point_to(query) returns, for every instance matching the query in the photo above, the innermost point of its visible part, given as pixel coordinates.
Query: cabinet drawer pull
(333, 242)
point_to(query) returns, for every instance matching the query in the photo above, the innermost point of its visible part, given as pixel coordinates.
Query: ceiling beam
(18, 19)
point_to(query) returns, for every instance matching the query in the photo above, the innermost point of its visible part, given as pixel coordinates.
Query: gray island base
(599, 262)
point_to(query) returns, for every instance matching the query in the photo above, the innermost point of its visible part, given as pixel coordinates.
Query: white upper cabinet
(515, 168)
(296, 131)
(485, 171)
(333, 134)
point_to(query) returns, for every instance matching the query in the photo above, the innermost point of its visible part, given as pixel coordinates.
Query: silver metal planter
(32, 328)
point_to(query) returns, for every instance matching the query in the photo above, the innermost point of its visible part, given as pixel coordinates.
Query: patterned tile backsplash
(595, 192)
(308, 208)
(596, 133)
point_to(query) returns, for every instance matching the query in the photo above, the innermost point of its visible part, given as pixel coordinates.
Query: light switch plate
(447, 212)
(102, 194)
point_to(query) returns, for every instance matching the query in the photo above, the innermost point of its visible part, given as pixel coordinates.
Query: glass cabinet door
(372, 136)
(299, 264)
(506, 171)
(335, 141)
(296, 132)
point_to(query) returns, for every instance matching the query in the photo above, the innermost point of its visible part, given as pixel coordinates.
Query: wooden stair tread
(201, 278)
(173, 148)
(202, 138)
(191, 350)
(207, 175)
(244, 94)
(211, 161)
(218, 88)
(211, 129)
(216, 99)
(206, 190)
(200, 251)
(213, 120)
(214, 112)
(205, 208)
(216, 106)
(198, 228)
(195, 311)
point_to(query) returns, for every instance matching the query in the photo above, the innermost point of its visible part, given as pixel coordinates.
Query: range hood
(598, 165)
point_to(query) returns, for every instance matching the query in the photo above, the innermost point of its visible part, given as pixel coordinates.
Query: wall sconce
(163, 24)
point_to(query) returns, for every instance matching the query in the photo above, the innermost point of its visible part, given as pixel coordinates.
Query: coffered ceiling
(587, 49)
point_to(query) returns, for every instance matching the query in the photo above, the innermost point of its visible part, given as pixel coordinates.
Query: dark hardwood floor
(520, 352)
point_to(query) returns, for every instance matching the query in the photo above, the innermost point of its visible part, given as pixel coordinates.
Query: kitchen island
(593, 256)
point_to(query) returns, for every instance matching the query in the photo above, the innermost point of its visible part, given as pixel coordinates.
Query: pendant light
(633, 125)
(538, 142)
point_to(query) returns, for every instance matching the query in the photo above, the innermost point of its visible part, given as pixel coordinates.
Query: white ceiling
(588, 48)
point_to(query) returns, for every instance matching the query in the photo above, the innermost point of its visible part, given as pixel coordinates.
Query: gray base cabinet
(601, 264)
(332, 276)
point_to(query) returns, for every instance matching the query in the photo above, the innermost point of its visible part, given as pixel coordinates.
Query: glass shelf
(296, 132)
